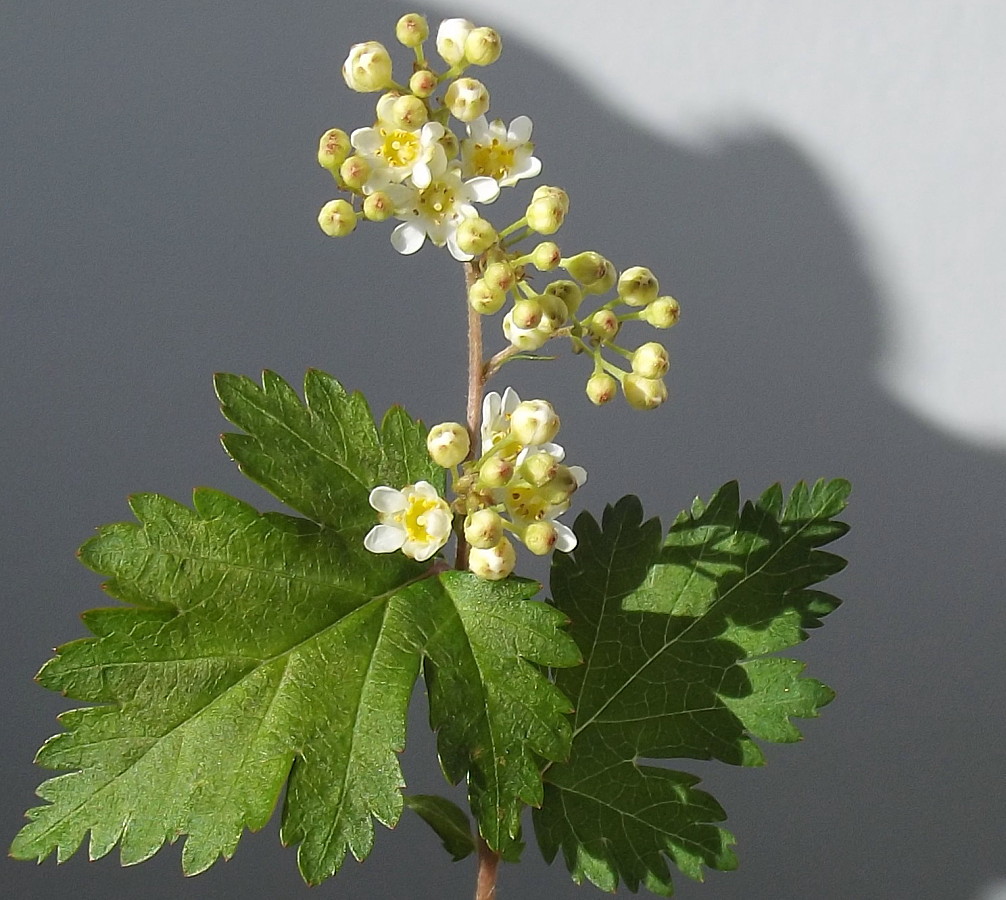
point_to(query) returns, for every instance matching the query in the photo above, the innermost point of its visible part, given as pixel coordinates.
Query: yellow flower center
(414, 517)
(436, 201)
(492, 159)
(526, 503)
(400, 148)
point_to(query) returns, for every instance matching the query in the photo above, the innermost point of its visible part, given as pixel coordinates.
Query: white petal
(478, 129)
(421, 550)
(520, 130)
(491, 406)
(366, 140)
(407, 238)
(384, 539)
(430, 132)
(556, 451)
(565, 540)
(510, 401)
(482, 189)
(437, 524)
(580, 474)
(425, 489)
(387, 500)
(456, 251)
(421, 175)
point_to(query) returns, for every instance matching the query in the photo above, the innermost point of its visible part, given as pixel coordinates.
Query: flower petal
(387, 500)
(482, 189)
(384, 539)
(520, 130)
(407, 238)
(565, 540)
(580, 474)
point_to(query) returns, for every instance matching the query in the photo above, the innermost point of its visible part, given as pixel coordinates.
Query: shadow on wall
(772, 380)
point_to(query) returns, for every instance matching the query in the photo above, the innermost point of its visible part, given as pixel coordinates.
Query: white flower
(415, 520)
(451, 37)
(499, 152)
(395, 153)
(496, 412)
(435, 211)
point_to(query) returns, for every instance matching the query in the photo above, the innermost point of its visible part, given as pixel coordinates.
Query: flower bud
(368, 67)
(586, 267)
(544, 191)
(534, 422)
(601, 387)
(409, 112)
(500, 275)
(337, 218)
(451, 37)
(559, 489)
(496, 472)
(378, 206)
(492, 564)
(650, 360)
(637, 286)
(467, 99)
(333, 148)
(354, 172)
(483, 529)
(644, 393)
(545, 256)
(525, 339)
(540, 537)
(603, 284)
(545, 215)
(526, 313)
(483, 46)
(423, 83)
(484, 298)
(553, 312)
(448, 444)
(539, 468)
(475, 235)
(411, 30)
(603, 325)
(662, 312)
(568, 292)
(450, 143)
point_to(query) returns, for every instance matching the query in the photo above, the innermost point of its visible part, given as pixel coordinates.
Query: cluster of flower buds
(517, 488)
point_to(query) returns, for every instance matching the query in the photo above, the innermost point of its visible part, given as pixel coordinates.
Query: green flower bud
(333, 148)
(603, 284)
(368, 67)
(545, 256)
(637, 286)
(475, 235)
(500, 275)
(354, 172)
(483, 528)
(540, 537)
(555, 193)
(423, 83)
(534, 422)
(527, 313)
(559, 489)
(545, 215)
(378, 207)
(662, 312)
(603, 325)
(601, 387)
(644, 393)
(411, 30)
(450, 144)
(451, 37)
(484, 298)
(586, 267)
(496, 472)
(524, 339)
(409, 112)
(539, 468)
(448, 444)
(483, 46)
(650, 360)
(467, 99)
(554, 312)
(568, 292)
(493, 564)
(337, 218)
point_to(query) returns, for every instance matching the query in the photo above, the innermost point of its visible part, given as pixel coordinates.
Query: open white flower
(396, 153)
(415, 520)
(436, 210)
(504, 154)
(496, 412)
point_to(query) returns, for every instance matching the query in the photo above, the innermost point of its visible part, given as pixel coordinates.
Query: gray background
(160, 196)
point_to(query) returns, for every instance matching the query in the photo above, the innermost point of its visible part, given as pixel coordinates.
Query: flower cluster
(410, 165)
(518, 486)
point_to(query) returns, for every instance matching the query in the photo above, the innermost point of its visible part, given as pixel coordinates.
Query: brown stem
(485, 888)
(476, 385)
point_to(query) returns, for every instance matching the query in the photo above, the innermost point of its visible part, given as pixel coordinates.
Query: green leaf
(260, 650)
(675, 633)
(447, 820)
(323, 456)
